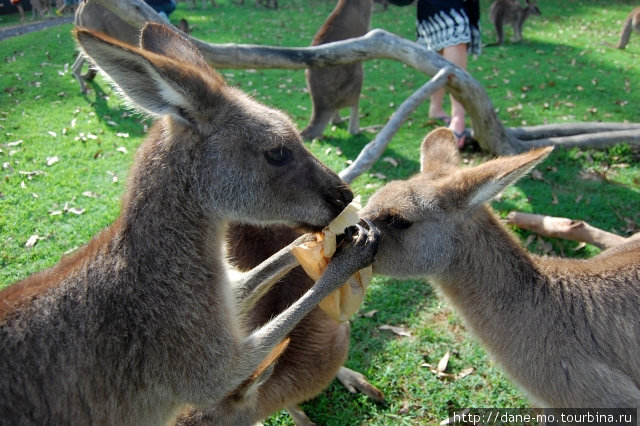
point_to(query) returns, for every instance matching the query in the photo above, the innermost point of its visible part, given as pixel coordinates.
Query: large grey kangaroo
(332, 88)
(143, 321)
(566, 331)
(511, 12)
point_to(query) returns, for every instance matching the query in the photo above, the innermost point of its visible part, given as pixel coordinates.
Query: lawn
(65, 158)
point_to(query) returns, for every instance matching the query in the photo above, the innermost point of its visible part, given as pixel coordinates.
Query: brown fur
(566, 331)
(143, 321)
(511, 12)
(332, 88)
(630, 24)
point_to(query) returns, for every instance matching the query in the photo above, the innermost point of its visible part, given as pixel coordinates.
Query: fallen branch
(568, 229)
(374, 149)
(568, 129)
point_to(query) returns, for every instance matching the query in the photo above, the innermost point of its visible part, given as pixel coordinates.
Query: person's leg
(435, 106)
(458, 55)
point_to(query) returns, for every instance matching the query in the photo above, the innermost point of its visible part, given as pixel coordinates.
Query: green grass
(561, 73)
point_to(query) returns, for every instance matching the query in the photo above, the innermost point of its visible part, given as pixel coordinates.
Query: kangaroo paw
(357, 382)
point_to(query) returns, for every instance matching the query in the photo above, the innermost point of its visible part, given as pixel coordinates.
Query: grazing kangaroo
(631, 23)
(318, 347)
(143, 320)
(511, 12)
(332, 88)
(566, 331)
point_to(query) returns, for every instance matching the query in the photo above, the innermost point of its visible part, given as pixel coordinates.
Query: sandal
(444, 120)
(461, 138)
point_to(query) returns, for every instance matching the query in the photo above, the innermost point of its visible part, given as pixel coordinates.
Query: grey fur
(332, 88)
(511, 12)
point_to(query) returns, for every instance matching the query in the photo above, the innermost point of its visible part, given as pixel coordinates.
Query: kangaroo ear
(155, 84)
(474, 186)
(160, 39)
(438, 152)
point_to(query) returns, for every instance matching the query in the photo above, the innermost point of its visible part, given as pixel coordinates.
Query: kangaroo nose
(346, 196)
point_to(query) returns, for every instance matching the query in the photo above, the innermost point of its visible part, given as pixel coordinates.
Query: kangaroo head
(426, 219)
(532, 7)
(245, 161)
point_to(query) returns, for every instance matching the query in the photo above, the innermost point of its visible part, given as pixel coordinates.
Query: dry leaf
(122, 149)
(391, 161)
(444, 361)
(75, 210)
(327, 151)
(52, 160)
(400, 331)
(405, 408)
(378, 175)
(579, 246)
(370, 314)
(466, 372)
(554, 201)
(32, 241)
(338, 150)
(52, 133)
(579, 198)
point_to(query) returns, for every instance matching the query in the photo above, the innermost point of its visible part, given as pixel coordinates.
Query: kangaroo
(511, 12)
(96, 17)
(318, 347)
(41, 8)
(631, 23)
(566, 331)
(332, 88)
(144, 320)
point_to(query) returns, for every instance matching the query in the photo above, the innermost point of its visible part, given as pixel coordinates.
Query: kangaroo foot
(357, 382)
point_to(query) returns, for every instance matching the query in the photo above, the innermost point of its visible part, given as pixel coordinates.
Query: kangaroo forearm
(252, 285)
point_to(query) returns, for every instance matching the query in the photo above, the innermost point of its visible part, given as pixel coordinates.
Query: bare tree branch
(374, 149)
(568, 229)
(568, 129)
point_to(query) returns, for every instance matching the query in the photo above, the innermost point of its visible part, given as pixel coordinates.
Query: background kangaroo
(97, 18)
(511, 12)
(318, 347)
(143, 320)
(565, 330)
(631, 23)
(332, 88)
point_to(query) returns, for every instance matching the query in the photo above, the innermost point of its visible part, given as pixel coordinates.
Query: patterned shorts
(447, 23)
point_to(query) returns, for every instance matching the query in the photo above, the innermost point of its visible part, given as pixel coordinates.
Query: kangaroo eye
(398, 222)
(279, 156)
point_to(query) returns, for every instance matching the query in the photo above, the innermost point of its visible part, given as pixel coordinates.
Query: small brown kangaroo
(336, 87)
(511, 12)
(143, 321)
(630, 24)
(566, 331)
(318, 347)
